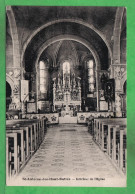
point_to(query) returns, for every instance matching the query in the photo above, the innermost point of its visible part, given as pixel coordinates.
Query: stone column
(16, 67)
(117, 72)
(117, 68)
(118, 104)
(97, 90)
(54, 90)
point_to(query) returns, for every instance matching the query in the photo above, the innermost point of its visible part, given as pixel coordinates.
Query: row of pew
(23, 138)
(110, 135)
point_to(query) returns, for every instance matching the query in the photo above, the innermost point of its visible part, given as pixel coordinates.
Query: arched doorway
(8, 95)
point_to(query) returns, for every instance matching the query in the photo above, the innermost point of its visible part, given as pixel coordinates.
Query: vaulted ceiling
(29, 18)
(73, 30)
(48, 31)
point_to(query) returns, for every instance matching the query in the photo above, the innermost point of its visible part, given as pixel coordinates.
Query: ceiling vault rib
(67, 37)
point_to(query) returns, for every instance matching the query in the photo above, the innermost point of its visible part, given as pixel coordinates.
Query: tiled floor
(69, 155)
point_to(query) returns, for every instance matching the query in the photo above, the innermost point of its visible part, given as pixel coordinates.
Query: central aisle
(69, 152)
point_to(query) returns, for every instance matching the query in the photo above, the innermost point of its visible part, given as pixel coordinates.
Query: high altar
(67, 92)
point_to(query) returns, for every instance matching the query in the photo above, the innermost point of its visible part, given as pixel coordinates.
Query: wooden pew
(23, 138)
(110, 135)
(20, 142)
(11, 154)
(38, 123)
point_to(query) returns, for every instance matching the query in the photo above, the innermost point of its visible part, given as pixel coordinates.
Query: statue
(73, 79)
(58, 83)
(67, 80)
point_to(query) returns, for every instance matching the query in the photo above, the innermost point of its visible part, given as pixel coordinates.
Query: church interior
(66, 95)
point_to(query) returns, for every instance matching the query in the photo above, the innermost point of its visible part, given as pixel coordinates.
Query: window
(90, 66)
(42, 77)
(66, 67)
(66, 73)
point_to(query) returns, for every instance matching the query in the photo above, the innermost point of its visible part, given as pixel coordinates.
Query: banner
(24, 90)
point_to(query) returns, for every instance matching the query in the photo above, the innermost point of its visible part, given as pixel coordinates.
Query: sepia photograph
(66, 96)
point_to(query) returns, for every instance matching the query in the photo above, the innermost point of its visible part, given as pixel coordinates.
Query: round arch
(81, 22)
(116, 35)
(77, 39)
(69, 37)
(14, 36)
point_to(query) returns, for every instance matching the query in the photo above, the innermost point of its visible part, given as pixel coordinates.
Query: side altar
(67, 92)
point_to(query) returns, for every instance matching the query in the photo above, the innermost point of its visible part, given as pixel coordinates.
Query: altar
(67, 112)
(66, 92)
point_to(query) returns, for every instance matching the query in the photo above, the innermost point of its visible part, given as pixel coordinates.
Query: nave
(66, 92)
(69, 152)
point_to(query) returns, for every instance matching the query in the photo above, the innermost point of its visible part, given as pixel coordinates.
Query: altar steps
(67, 119)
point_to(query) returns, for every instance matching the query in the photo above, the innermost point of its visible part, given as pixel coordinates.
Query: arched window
(66, 67)
(66, 73)
(42, 77)
(90, 66)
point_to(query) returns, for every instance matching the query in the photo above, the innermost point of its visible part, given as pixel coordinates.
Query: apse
(68, 60)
